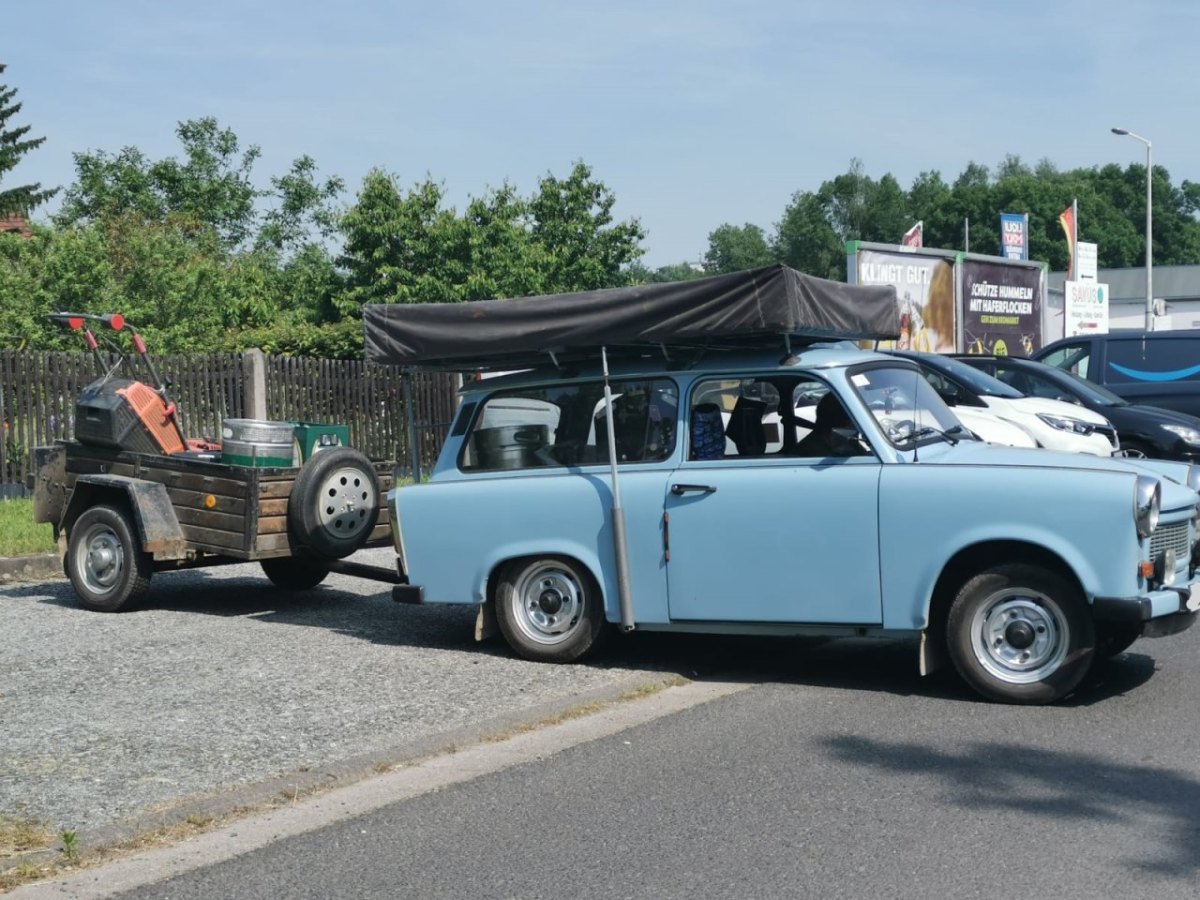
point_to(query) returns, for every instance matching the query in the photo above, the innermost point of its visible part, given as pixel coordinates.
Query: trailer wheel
(334, 502)
(104, 561)
(293, 573)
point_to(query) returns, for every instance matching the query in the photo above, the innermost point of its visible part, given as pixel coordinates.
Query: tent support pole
(620, 548)
(410, 421)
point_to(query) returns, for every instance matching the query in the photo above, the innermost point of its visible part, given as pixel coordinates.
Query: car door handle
(680, 489)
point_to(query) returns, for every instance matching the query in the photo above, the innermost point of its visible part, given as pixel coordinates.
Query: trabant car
(733, 514)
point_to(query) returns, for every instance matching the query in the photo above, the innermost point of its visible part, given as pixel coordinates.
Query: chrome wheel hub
(1020, 636)
(101, 560)
(547, 603)
(347, 499)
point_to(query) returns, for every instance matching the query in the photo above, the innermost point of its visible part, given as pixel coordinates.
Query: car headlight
(1147, 501)
(1066, 423)
(1185, 433)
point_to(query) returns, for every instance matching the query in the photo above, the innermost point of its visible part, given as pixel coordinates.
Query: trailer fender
(158, 528)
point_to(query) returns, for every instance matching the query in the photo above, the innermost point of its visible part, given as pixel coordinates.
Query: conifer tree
(14, 145)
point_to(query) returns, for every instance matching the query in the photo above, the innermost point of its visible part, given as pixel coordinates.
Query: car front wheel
(1020, 634)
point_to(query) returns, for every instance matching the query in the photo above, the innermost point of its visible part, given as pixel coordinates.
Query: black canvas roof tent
(767, 306)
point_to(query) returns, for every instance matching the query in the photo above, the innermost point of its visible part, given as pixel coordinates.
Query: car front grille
(1110, 433)
(1171, 537)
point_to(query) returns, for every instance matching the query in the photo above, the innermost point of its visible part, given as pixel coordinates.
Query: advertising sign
(1086, 308)
(1086, 253)
(925, 294)
(1002, 308)
(1014, 235)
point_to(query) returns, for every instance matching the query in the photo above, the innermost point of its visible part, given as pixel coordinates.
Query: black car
(1143, 430)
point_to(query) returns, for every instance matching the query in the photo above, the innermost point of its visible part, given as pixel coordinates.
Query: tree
(411, 248)
(13, 146)
(733, 249)
(210, 189)
(805, 239)
(572, 229)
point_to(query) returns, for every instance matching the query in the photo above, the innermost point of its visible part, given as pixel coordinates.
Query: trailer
(131, 496)
(123, 516)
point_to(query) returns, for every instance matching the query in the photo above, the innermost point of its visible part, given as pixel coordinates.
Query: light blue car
(825, 491)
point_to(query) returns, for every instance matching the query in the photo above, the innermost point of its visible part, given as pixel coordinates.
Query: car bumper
(1161, 613)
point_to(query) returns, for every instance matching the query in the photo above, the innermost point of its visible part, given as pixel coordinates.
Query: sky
(694, 113)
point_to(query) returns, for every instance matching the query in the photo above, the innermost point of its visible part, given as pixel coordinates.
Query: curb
(18, 569)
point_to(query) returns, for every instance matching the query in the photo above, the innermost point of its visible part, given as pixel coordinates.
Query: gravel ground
(219, 680)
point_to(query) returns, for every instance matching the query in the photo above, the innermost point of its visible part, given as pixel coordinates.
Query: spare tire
(334, 502)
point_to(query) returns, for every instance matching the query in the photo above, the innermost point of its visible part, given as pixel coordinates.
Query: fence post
(254, 389)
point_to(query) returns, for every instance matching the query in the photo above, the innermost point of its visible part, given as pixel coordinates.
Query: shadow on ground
(875, 665)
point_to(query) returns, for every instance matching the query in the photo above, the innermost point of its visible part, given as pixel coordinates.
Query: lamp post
(1149, 220)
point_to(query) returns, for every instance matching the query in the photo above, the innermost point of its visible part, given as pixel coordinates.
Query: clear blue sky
(694, 113)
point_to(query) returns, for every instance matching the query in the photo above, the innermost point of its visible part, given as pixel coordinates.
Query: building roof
(1171, 283)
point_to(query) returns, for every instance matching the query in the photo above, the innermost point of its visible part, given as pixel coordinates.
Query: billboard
(924, 291)
(1001, 307)
(1085, 308)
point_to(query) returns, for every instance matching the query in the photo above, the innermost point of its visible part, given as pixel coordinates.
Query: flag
(1070, 226)
(912, 237)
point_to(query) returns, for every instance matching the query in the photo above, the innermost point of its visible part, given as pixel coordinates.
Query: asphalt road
(838, 772)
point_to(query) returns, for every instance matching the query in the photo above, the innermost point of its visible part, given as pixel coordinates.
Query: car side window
(734, 417)
(566, 425)
(1072, 357)
(1030, 385)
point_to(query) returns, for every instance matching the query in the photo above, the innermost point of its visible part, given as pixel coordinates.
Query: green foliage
(814, 227)
(408, 247)
(733, 249)
(14, 145)
(637, 273)
(210, 190)
(337, 340)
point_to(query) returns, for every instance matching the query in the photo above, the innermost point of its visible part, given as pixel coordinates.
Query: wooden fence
(38, 391)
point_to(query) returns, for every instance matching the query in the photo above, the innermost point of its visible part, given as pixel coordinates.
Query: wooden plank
(272, 524)
(273, 490)
(273, 508)
(234, 506)
(206, 518)
(269, 542)
(227, 540)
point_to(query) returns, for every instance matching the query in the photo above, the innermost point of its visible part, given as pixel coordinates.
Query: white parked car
(1053, 424)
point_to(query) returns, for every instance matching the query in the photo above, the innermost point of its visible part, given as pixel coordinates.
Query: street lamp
(1149, 219)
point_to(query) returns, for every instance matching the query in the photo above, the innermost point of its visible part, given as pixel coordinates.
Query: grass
(20, 833)
(19, 534)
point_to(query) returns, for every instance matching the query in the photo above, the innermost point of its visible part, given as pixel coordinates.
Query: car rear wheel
(549, 608)
(1020, 634)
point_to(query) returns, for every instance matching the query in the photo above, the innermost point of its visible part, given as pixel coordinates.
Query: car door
(774, 537)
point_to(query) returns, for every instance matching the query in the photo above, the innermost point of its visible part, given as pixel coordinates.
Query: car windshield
(979, 382)
(905, 405)
(1094, 392)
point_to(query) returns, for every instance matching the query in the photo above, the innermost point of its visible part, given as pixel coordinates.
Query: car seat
(708, 432)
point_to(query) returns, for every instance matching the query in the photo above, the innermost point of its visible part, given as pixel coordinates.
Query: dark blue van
(1156, 368)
